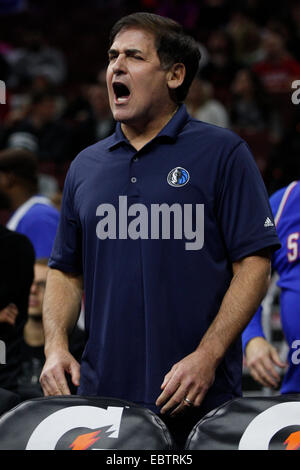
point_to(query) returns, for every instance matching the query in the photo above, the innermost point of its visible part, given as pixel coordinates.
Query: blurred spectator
(99, 122)
(278, 69)
(201, 104)
(16, 275)
(247, 38)
(90, 115)
(33, 215)
(252, 117)
(33, 357)
(40, 130)
(250, 110)
(36, 59)
(285, 163)
(222, 66)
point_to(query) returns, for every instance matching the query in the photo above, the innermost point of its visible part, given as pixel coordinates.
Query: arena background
(52, 61)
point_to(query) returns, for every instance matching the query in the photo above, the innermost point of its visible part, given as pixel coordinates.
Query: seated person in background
(40, 127)
(262, 358)
(33, 342)
(250, 110)
(16, 275)
(201, 104)
(32, 214)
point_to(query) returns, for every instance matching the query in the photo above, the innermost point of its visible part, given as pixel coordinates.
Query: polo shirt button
(133, 179)
(135, 159)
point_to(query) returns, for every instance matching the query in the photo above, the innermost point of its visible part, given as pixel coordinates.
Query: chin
(122, 116)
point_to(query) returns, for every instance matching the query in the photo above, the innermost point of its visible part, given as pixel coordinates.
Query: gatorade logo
(78, 426)
(276, 426)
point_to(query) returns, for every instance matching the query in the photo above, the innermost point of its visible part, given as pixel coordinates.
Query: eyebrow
(127, 51)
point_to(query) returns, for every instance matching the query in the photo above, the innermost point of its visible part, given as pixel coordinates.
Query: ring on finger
(189, 402)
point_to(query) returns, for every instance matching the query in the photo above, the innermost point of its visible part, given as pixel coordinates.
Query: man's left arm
(192, 376)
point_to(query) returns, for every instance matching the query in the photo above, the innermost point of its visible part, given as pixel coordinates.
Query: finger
(166, 379)
(12, 305)
(198, 399)
(175, 400)
(75, 373)
(13, 309)
(169, 390)
(180, 409)
(48, 385)
(262, 377)
(46, 394)
(9, 319)
(270, 369)
(256, 377)
(275, 357)
(183, 406)
(11, 312)
(53, 383)
(61, 382)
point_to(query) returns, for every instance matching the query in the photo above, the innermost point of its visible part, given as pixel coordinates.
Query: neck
(34, 332)
(142, 133)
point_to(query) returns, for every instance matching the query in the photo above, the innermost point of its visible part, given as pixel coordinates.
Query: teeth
(122, 99)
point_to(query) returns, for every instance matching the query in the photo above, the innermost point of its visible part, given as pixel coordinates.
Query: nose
(119, 65)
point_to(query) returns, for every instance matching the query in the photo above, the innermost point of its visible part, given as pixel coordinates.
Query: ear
(175, 76)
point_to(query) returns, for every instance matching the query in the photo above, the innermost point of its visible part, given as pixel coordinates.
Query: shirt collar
(170, 130)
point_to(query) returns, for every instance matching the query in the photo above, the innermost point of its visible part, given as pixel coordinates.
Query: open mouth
(121, 92)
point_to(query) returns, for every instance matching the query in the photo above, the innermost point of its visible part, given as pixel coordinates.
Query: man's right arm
(61, 307)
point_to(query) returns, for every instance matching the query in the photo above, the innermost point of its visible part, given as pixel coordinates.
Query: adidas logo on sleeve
(268, 223)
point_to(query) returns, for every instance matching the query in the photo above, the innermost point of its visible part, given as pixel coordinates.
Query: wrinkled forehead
(135, 38)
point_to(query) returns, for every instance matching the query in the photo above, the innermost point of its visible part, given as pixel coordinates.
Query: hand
(261, 358)
(9, 314)
(189, 378)
(53, 379)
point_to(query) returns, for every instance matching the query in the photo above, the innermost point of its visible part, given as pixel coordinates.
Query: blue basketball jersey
(285, 205)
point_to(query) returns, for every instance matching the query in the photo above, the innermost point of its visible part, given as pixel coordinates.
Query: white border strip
(24, 208)
(284, 200)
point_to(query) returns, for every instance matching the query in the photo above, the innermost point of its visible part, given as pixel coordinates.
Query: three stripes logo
(268, 222)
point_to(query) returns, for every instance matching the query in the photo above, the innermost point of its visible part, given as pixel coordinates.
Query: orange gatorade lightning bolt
(85, 441)
(293, 441)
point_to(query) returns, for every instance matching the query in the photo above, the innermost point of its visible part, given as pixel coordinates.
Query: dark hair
(172, 44)
(22, 164)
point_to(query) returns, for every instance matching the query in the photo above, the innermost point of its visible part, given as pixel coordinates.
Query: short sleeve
(67, 249)
(243, 207)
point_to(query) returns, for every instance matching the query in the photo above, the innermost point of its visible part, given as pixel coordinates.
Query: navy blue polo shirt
(155, 233)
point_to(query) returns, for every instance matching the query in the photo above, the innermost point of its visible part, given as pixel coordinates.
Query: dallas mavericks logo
(178, 177)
